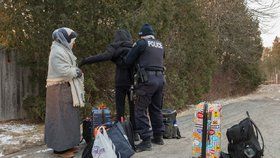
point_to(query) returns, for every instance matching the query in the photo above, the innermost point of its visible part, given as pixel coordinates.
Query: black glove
(79, 73)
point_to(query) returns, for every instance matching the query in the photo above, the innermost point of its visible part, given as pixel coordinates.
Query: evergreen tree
(200, 38)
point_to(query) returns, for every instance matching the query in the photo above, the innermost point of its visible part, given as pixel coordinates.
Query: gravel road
(263, 106)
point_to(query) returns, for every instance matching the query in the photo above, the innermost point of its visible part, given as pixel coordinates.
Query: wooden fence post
(14, 86)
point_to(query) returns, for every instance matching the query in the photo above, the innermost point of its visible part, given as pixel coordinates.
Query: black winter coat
(115, 52)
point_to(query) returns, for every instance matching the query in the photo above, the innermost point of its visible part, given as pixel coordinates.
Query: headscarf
(65, 36)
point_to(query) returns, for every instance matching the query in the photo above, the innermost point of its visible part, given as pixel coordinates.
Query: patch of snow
(17, 128)
(44, 150)
(1, 154)
(20, 156)
(7, 139)
(36, 136)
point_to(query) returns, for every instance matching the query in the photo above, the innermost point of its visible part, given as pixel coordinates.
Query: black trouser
(121, 93)
(149, 98)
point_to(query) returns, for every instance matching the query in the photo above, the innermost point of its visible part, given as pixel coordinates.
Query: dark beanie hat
(146, 30)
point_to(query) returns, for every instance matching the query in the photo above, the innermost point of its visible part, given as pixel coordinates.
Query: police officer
(147, 56)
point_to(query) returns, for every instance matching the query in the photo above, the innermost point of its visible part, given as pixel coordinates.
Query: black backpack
(244, 140)
(170, 124)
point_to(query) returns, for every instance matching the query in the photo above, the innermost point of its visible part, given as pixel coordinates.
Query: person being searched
(64, 84)
(147, 56)
(115, 52)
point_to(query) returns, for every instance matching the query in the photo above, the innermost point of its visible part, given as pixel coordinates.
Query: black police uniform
(147, 54)
(124, 76)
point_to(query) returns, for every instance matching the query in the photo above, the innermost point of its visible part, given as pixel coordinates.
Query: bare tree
(264, 11)
(236, 29)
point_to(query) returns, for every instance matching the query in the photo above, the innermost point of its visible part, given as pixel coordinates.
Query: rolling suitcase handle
(204, 131)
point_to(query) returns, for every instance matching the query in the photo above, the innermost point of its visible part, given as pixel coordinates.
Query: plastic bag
(103, 146)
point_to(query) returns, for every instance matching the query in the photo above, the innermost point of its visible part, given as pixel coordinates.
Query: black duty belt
(154, 72)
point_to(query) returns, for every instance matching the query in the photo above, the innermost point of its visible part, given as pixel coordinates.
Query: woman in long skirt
(62, 127)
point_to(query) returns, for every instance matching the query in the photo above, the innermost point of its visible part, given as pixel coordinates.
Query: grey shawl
(63, 68)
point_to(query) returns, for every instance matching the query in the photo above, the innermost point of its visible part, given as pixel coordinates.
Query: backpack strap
(257, 131)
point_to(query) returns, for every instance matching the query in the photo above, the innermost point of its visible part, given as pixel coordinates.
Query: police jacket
(148, 53)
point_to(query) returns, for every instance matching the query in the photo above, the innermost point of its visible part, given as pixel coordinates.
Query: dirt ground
(263, 106)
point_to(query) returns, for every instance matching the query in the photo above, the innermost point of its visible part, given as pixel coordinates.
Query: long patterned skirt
(62, 127)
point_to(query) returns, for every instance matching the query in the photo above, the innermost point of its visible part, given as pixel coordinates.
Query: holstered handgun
(141, 74)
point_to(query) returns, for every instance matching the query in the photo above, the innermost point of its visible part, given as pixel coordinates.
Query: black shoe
(158, 140)
(59, 152)
(145, 145)
(136, 137)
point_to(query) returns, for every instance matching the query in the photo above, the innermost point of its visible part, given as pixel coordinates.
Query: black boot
(145, 145)
(157, 139)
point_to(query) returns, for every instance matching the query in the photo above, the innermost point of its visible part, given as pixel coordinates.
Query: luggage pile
(243, 137)
(105, 138)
